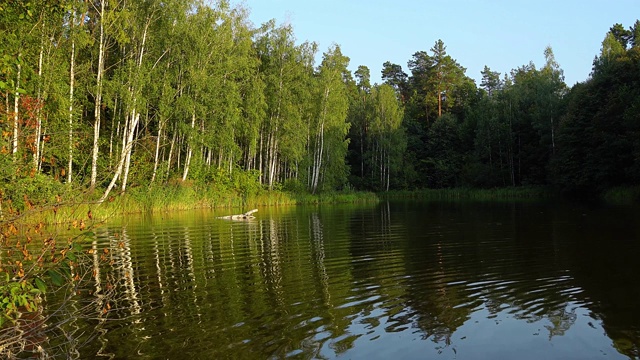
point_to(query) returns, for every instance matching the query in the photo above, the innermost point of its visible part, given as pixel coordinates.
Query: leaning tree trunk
(134, 120)
(135, 114)
(173, 144)
(187, 161)
(126, 150)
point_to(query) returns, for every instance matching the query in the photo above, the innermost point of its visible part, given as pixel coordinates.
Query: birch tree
(72, 76)
(285, 67)
(386, 134)
(329, 130)
(136, 22)
(100, 11)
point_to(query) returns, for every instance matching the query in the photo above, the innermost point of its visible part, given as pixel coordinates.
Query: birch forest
(106, 95)
(114, 93)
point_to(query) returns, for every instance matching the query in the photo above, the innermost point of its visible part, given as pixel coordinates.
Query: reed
(180, 198)
(623, 195)
(510, 193)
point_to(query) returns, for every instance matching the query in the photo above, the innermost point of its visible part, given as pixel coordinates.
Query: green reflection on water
(417, 279)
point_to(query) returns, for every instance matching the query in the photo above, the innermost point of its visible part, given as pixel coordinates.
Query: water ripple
(316, 284)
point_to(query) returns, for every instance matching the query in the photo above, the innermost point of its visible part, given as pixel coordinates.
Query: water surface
(412, 280)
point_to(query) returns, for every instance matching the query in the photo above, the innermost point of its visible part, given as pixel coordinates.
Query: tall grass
(510, 193)
(179, 198)
(622, 195)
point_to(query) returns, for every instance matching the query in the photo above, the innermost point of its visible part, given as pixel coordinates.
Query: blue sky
(500, 34)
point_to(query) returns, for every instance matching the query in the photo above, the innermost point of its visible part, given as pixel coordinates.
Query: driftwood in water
(246, 216)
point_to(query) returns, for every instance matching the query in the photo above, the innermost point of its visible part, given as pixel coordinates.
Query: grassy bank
(178, 198)
(185, 198)
(511, 193)
(622, 195)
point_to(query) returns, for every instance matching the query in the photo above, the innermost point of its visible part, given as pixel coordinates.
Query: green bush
(25, 192)
(19, 296)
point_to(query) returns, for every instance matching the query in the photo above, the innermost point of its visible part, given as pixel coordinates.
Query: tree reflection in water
(360, 281)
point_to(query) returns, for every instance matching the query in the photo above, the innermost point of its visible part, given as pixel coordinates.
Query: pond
(412, 280)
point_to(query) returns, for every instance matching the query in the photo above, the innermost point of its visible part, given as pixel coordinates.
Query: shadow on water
(469, 280)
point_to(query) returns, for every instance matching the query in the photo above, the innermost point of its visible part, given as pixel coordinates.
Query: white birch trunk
(273, 159)
(135, 114)
(117, 128)
(180, 139)
(16, 109)
(318, 160)
(72, 76)
(173, 143)
(260, 151)
(156, 158)
(388, 171)
(126, 150)
(187, 161)
(319, 143)
(36, 154)
(135, 119)
(98, 100)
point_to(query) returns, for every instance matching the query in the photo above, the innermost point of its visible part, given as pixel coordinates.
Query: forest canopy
(107, 95)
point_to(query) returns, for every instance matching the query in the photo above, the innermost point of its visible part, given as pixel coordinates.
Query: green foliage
(329, 128)
(445, 153)
(247, 183)
(29, 267)
(294, 186)
(195, 99)
(598, 143)
(18, 296)
(383, 137)
(26, 192)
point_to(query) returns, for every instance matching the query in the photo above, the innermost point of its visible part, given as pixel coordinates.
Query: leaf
(41, 285)
(56, 278)
(71, 256)
(65, 269)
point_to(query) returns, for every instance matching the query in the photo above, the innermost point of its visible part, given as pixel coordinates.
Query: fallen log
(246, 216)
